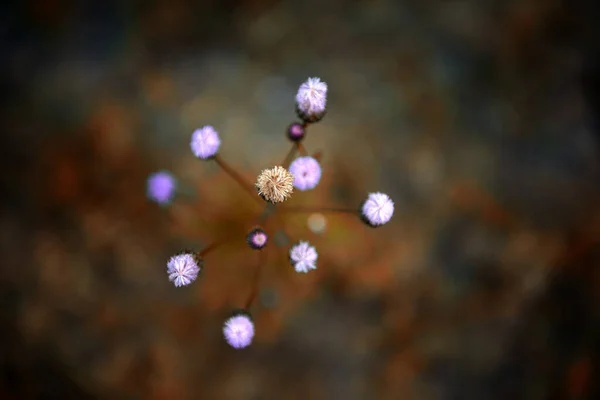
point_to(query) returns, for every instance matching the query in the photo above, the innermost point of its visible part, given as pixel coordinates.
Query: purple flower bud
(303, 257)
(311, 100)
(377, 209)
(205, 142)
(238, 330)
(307, 173)
(183, 269)
(257, 239)
(296, 132)
(160, 187)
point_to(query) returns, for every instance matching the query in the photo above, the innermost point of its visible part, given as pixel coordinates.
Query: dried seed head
(275, 184)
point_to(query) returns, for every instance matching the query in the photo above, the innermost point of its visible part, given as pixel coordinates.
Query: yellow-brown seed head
(275, 184)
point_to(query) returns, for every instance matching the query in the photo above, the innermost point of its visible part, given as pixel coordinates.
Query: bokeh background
(476, 117)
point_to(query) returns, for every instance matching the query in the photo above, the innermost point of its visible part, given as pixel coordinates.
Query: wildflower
(307, 173)
(275, 184)
(257, 239)
(183, 268)
(303, 257)
(160, 187)
(296, 132)
(238, 330)
(377, 209)
(205, 142)
(311, 100)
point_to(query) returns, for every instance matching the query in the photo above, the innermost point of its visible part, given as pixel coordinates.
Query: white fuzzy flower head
(238, 331)
(303, 257)
(311, 99)
(183, 269)
(377, 209)
(307, 173)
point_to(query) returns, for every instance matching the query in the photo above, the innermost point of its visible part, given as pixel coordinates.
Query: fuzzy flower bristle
(257, 239)
(275, 185)
(205, 142)
(161, 187)
(183, 269)
(377, 209)
(303, 257)
(307, 173)
(311, 100)
(238, 330)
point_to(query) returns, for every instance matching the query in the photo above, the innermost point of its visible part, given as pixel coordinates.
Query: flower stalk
(274, 185)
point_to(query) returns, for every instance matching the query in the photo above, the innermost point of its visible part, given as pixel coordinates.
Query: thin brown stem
(289, 157)
(209, 248)
(237, 177)
(301, 149)
(255, 280)
(269, 209)
(301, 209)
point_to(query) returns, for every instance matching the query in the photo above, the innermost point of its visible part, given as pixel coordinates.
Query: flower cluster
(274, 185)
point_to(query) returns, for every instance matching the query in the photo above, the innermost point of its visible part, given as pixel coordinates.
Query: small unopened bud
(257, 239)
(295, 132)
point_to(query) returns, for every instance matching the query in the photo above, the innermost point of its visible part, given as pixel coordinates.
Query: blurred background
(478, 117)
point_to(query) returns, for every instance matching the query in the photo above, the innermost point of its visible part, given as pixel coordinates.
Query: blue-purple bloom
(303, 257)
(161, 187)
(377, 209)
(238, 330)
(183, 269)
(307, 173)
(205, 142)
